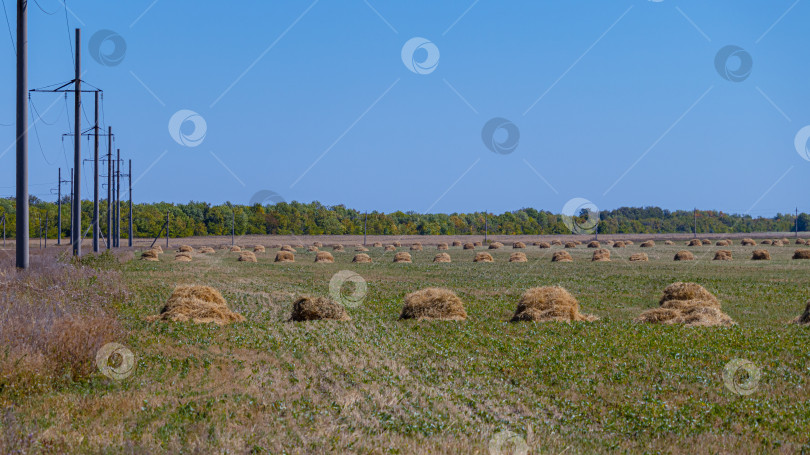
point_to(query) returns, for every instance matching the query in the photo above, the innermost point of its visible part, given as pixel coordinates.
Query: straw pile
(601, 255)
(543, 245)
(390, 248)
(748, 242)
(199, 304)
(398, 244)
(457, 243)
(360, 249)
(594, 244)
(804, 319)
(570, 244)
(766, 242)
(442, 257)
(235, 249)
(695, 242)
(669, 242)
(706, 241)
(317, 308)
(723, 243)
(639, 257)
(483, 257)
(338, 247)
(549, 304)
(689, 304)
(684, 255)
(648, 244)
(442, 246)
(403, 257)
(312, 248)
(477, 244)
(157, 248)
(185, 249)
(801, 242)
(285, 256)
(207, 250)
(562, 256)
(433, 303)
(801, 254)
(416, 247)
(761, 255)
(723, 255)
(362, 258)
(324, 257)
(150, 255)
(518, 257)
(378, 244)
(182, 257)
(258, 249)
(556, 243)
(495, 245)
(619, 244)
(517, 245)
(247, 256)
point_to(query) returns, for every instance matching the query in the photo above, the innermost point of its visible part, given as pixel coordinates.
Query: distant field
(378, 385)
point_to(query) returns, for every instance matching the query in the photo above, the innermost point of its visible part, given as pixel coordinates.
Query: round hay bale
(312, 248)
(469, 246)
(761, 255)
(324, 257)
(477, 244)
(619, 244)
(801, 254)
(150, 255)
(766, 242)
(594, 244)
(433, 303)
(483, 257)
(390, 248)
(182, 257)
(684, 255)
(378, 245)
(570, 244)
(338, 247)
(402, 257)
(361, 249)
(647, 244)
(639, 257)
(556, 242)
(669, 242)
(285, 256)
(235, 249)
(199, 304)
(495, 245)
(258, 249)
(442, 246)
(543, 245)
(362, 259)
(457, 243)
(247, 256)
(518, 245)
(316, 309)
(518, 257)
(601, 255)
(706, 241)
(695, 242)
(185, 249)
(398, 244)
(442, 257)
(689, 304)
(549, 304)
(748, 242)
(562, 256)
(804, 319)
(416, 247)
(723, 255)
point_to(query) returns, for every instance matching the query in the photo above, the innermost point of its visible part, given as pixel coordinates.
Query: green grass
(379, 385)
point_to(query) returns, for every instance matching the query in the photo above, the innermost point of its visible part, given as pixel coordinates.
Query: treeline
(200, 218)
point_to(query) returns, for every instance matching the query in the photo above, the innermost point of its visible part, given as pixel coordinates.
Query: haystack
(157, 248)
(442, 257)
(543, 245)
(259, 249)
(723, 243)
(619, 244)
(800, 242)
(778, 243)
(469, 246)
(390, 248)
(433, 303)
(761, 255)
(247, 256)
(639, 257)
(570, 244)
(647, 244)
(801, 254)
(748, 242)
(628, 242)
(285, 256)
(804, 319)
(298, 245)
(288, 248)
(689, 304)
(361, 258)
(185, 249)
(594, 244)
(785, 240)
(549, 304)
(338, 247)
(477, 244)
(766, 242)
(199, 304)
(457, 243)
(723, 255)
(556, 242)
(150, 255)
(416, 247)
(601, 255)
(317, 308)
(695, 242)
(442, 246)
(706, 241)
(378, 245)
(669, 242)
(398, 244)
(518, 245)
(518, 257)
(403, 257)
(495, 245)
(235, 249)
(562, 256)
(207, 250)
(684, 255)
(312, 248)
(483, 257)
(182, 257)
(361, 249)
(325, 257)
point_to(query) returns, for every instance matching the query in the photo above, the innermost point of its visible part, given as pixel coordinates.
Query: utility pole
(95, 179)
(70, 241)
(694, 212)
(76, 228)
(365, 226)
(167, 229)
(117, 233)
(4, 229)
(486, 226)
(59, 209)
(129, 175)
(233, 223)
(797, 222)
(109, 187)
(46, 229)
(21, 244)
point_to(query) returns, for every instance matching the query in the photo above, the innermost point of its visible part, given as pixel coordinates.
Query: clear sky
(618, 102)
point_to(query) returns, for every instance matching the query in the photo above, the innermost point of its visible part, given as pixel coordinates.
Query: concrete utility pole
(117, 233)
(130, 203)
(167, 229)
(797, 222)
(95, 180)
(76, 228)
(109, 187)
(59, 208)
(21, 245)
(70, 240)
(365, 226)
(486, 226)
(233, 224)
(694, 212)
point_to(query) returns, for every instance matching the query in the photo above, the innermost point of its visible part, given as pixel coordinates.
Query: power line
(36, 133)
(11, 35)
(70, 39)
(43, 10)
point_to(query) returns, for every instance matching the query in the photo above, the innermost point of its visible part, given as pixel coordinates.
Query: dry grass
(433, 303)
(688, 304)
(549, 304)
(639, 257)
(761, 255)
(647, 244)
(801, 254)
(442, 257)
(198, 304)
(684, 255)
(601, 255)
(723, 255)
(182, 257)
(307, 308)
(483, 257)
(402, 257)
(324, 257)
(247, 256)
(285, 256)
(362, 259)
(518, 257)
(562, 256)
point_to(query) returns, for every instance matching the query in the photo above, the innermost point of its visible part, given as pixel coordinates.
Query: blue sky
(616, 102)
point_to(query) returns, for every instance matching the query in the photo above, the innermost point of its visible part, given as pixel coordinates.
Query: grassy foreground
(378, 385)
